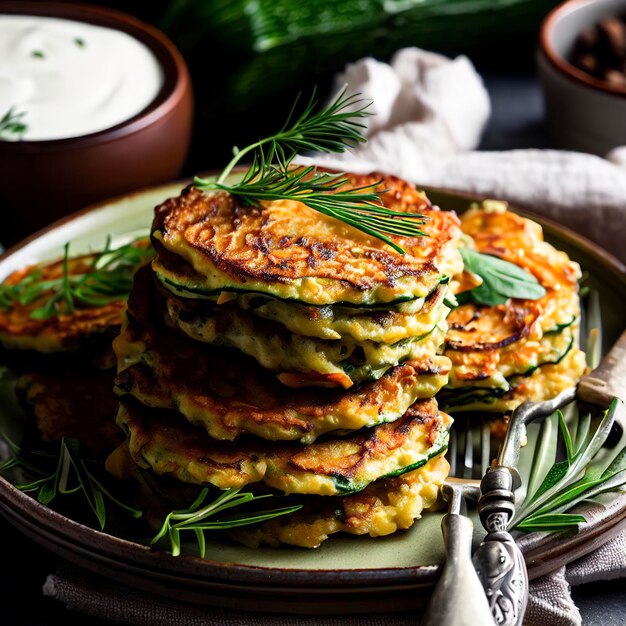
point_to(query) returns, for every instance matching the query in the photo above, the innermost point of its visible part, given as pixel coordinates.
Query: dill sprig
(200, 517)
(12, 125)
(273, 175)
(61, 470)
(107, 277)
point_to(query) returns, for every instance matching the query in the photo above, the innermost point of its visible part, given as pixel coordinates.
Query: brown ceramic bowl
(584, 113)
(41, 181)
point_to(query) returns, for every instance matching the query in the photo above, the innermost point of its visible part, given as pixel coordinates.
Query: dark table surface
(516, 122)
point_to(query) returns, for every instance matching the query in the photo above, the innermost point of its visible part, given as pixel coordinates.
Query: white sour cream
(70, 78)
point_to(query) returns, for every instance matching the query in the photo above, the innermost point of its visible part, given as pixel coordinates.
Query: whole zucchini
(248, 56)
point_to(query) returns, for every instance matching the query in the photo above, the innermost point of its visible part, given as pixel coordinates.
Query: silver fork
(492, 587)
(498, 560)
(469, 453)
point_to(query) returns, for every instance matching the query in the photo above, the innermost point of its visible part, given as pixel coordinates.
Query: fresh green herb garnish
(108, 277)
(272, 175)
(583, 474)
(61, 470)
(79, 42)
(37, 54)
(588, 468)
(501, 280)
(12, 126)
(200, 517)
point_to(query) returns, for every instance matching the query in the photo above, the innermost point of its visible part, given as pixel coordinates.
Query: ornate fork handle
(498, 561)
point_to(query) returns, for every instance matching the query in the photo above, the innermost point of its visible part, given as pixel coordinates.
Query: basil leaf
(501, 279)
(483, 294)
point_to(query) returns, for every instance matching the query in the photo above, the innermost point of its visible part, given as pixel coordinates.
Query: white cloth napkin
(429, 115)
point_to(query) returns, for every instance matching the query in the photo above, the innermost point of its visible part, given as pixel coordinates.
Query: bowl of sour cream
(93, 103)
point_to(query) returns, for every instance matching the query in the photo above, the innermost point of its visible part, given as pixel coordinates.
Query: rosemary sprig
(107, 277)
(61, 470)
(273, 176)
(200, 517)
(587, 471)
(589, 468)
(501, 280)
(12, 126)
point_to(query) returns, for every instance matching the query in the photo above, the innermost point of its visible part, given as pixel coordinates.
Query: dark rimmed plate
(347, 574)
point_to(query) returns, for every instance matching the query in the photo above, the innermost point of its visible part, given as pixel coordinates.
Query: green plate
(346, 574)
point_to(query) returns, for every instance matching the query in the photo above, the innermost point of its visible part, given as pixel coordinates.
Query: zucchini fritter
(289, 251)
(382, 508)
(328, 363)
(228, 394)
(62, 333)
(522, 350)
(74, 402)
(161, 441)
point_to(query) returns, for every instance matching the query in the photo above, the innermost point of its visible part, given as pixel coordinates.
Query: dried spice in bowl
(601, 51)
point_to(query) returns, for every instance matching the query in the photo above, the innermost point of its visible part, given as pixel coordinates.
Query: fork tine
(485, 446)
(469, 448)
(468, 456)
(452, 451)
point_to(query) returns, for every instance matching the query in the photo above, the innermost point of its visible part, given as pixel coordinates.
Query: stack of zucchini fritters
(283, 351)
(506, 354)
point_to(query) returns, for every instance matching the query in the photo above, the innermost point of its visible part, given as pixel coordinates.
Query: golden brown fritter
(382, 508)
(77, 403)
(495, 350)
(228, 394)
(161, 441)
(291, 251)
(343, 362)
(18, 330)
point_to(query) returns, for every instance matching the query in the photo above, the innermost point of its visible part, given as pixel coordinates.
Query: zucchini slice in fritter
(161, 441)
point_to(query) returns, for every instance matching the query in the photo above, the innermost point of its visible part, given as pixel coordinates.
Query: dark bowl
(41, 181)
(584, 113)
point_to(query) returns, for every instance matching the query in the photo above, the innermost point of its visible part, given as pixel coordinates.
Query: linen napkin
(430, 113)
(550, 600)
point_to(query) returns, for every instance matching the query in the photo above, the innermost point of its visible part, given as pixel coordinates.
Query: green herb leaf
(567, 438)
(554, 475)
(563, 487)
(37, 54)
(200, 517)
(272, 175)
(12, 127)
(501, 279)
(108, 277)
(552, 522)
(56, 470)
